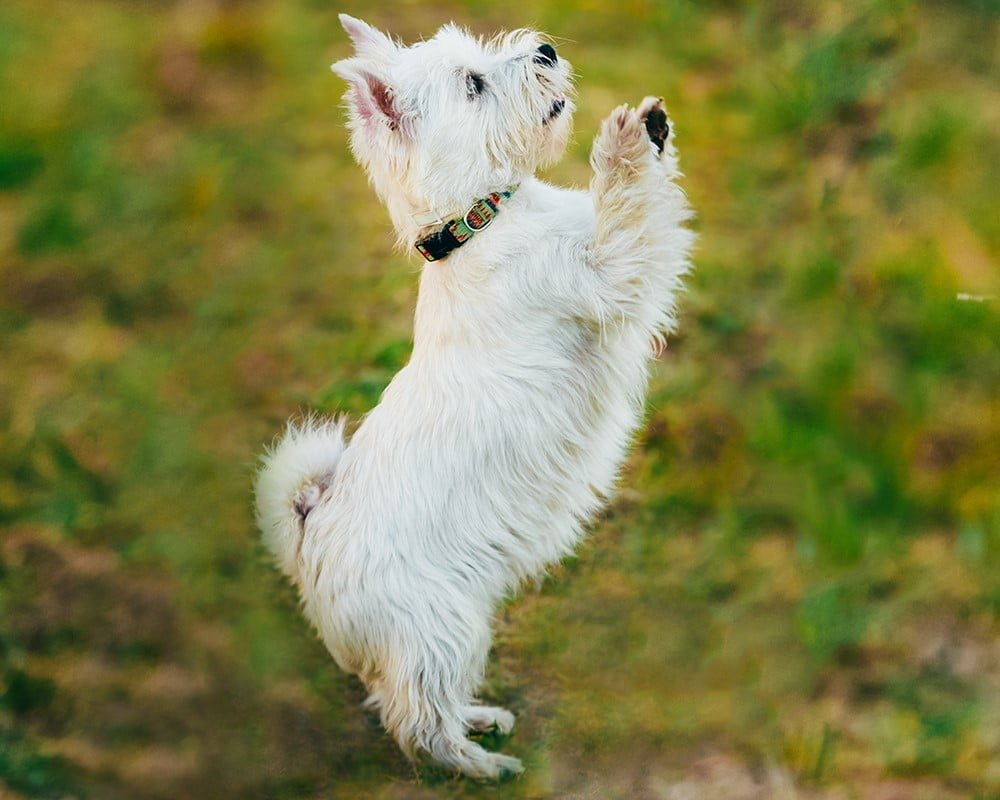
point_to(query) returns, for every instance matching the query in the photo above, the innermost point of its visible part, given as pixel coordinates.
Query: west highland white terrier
(498, 441)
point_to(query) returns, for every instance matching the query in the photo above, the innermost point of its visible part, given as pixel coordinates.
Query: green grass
(798, 584)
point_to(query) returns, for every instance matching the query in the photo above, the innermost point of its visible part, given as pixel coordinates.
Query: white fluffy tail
(295, 473)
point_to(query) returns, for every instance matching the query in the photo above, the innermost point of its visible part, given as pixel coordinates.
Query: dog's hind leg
(422, 722)
(449, 745)
(426, 703)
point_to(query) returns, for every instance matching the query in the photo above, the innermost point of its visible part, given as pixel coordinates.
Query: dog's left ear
(368, 42)
(370, 98)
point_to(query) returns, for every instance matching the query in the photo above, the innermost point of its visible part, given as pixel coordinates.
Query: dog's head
(450, 119)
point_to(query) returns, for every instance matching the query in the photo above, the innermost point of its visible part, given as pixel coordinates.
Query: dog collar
(459, 230)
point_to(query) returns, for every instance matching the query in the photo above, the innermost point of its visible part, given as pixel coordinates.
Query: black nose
(546, 56)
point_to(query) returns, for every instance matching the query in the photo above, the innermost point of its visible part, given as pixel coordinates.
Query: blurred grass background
(796, 592)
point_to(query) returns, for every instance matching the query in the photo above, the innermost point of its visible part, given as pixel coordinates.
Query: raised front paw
(621, 143)
(654, 118)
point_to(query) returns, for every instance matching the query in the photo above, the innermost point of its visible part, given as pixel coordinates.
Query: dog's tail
(293, 477)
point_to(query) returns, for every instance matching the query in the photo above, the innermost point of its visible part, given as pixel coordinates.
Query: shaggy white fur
(494, 445)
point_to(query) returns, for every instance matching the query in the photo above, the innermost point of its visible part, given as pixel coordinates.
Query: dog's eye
(474, 83)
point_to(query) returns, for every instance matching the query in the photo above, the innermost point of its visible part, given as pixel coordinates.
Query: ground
(795, 593)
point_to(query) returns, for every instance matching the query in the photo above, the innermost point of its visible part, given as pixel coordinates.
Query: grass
(795, 593)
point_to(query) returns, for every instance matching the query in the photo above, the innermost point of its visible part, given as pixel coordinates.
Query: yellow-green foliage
(795, 594)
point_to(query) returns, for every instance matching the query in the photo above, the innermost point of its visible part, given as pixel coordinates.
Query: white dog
(495, 444)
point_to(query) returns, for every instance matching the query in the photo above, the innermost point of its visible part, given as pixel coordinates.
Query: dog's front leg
(633, 196)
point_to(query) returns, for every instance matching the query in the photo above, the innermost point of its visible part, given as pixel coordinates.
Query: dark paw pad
(655, 119)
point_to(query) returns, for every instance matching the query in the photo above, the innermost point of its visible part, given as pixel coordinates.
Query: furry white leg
(488, 718)
(293, 476)
(639, 211)
(623, 159)
(421, 725)
(449, 746)
(425, 708)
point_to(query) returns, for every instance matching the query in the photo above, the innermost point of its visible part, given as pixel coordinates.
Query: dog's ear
(368, 42)
(370, 97)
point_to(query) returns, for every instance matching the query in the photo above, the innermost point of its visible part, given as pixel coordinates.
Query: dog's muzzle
(546, 56)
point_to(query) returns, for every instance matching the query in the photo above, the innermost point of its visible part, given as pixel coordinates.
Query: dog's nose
(546, 56)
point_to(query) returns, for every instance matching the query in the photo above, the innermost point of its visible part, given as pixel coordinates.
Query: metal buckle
(484, 211)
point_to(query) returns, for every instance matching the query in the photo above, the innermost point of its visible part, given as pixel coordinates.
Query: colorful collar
(459, 230)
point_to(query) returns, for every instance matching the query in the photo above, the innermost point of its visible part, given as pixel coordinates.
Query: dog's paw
(506, 767)
(489, 719)
(621, 142)
(471, 760)
(654, 118)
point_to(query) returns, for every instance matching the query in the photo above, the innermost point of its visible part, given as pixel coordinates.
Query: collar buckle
(480, 216)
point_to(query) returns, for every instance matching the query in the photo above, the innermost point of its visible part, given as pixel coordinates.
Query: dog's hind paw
(507, 767)
(470, 759)
(489, 719)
